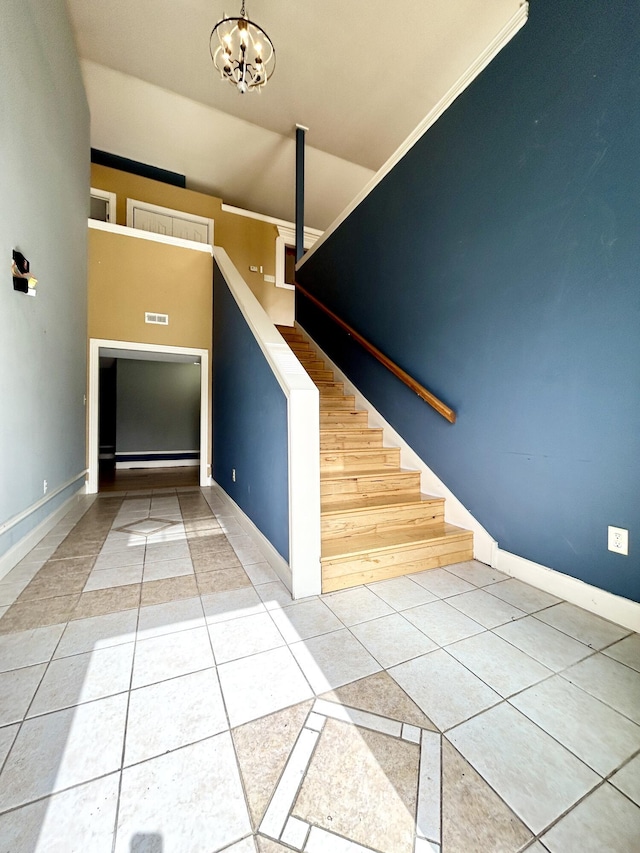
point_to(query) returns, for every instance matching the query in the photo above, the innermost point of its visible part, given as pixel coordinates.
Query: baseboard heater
(158, 459)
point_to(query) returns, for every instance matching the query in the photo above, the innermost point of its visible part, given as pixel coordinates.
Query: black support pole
(300, 136)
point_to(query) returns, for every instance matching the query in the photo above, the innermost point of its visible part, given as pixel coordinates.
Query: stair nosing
(451, 533)
(371, 474)
(425, 499)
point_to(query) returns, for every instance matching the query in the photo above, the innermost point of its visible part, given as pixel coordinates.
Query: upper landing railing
(401, 374)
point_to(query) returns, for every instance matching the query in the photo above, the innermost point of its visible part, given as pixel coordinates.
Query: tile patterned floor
(161, 693)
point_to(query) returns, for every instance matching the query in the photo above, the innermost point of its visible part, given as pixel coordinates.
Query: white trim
(19, 551)
(454, 511)
(154, 452)
(516, 22)
(125, 231)
(303, 413)
(272, 220)
(135, 204)
(16, 519)
(159, 463)
(287, 237)
(110, 198)
(275, 560)
(617, 609)
(95, 345)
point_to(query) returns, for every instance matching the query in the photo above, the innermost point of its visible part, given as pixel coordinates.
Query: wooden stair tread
(391, 540)
(385, 473)
(363, 453)
(331, 429)
(380, 502)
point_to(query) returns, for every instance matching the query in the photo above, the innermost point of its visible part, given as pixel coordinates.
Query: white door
(189, 230)
(157, 223)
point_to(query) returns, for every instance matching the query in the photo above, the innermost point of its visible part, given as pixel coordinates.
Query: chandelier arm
(245, 55)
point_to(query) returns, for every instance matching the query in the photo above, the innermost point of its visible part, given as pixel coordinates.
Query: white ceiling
(360, 74)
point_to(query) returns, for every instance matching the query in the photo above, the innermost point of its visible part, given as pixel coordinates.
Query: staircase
(375, 523)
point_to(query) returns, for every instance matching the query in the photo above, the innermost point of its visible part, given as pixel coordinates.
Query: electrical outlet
(233, 475)
(618, 540)
(45, 486)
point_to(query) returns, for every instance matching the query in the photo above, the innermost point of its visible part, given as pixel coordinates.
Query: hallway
(112, 479)
(161, 693)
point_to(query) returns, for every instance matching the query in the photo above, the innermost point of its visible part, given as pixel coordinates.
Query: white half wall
(233, 159)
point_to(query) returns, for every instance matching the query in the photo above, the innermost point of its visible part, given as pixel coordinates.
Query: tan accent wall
(248, 242)
(128, 276)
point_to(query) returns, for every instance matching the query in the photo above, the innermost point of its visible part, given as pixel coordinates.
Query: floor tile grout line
(571, 636)
(126, 723)
(538, 835)
(25, 716)
(579, 687)
(590, 652)
(44, 797)
(557, 672)
(217, 674)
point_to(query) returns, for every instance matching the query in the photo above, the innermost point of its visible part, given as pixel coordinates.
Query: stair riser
(311, 363)
(360, 578)
(331, 404)
(354, 489)
(358, 461)
(324, 383)
(320, 375)
(350, 439)
(382, 520)
(297, 342)
(344, 419)
(334, 390)
(341, 574)
(307, 355)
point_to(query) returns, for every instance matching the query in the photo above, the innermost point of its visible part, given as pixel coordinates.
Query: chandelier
(242, 52)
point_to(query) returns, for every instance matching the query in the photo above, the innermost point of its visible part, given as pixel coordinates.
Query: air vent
(158, 319)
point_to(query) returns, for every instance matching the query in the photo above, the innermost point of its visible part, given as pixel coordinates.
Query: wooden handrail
(401, 374)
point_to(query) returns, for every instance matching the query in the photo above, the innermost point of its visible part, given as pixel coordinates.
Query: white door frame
(95, 345)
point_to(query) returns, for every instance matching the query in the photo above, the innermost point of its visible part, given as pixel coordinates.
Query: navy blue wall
(250, 430)
(499, 263)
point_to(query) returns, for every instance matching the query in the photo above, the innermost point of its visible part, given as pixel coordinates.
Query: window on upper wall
(103, 205)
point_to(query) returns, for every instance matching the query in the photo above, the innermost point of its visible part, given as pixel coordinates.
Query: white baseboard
(617, 609)
(454, 511)
(160, 463)
(271, 556)
(20, 550)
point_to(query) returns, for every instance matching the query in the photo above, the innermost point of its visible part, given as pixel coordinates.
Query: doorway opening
(149, 424)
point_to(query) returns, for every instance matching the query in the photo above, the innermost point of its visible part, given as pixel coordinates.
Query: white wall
(241, 163)
(44, 140)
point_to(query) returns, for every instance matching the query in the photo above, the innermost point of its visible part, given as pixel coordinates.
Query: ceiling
(361, 75)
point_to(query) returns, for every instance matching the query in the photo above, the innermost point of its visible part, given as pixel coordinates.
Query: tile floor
(161, 693)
